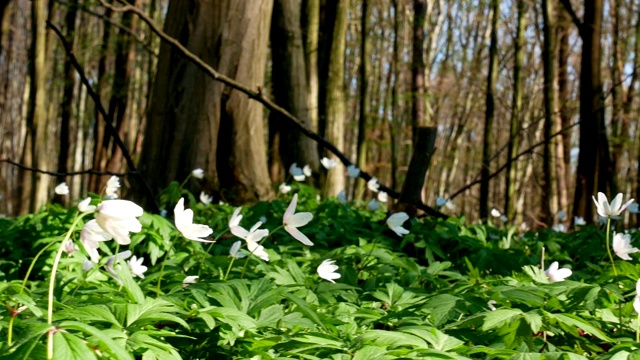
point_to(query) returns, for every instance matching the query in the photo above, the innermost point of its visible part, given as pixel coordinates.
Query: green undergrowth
(426, 295)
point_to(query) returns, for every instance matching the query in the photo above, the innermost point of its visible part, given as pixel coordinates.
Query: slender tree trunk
(492, 77)
(593, 160)
(311, 49)
(418, 67)
(564, 93)
(363, 74)
(67, 97)
(99, 126)
(516, 113)
(34, 185)
(125, 56)
(395, 111)
(335, 105)
(549, 188)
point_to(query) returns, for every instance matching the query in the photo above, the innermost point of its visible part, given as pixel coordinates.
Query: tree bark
(549, 189)
(67, 97)
(492, 77)
(516, 113)
(418, 68)
(34, 185)
(289, 79)
(195, 121)
(363, 75)
(335, 106)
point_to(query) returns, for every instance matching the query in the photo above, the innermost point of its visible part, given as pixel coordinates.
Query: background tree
(194, 121)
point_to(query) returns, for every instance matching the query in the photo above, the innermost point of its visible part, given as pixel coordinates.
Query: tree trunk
(95, 181)
(516, 113)
(195, 121)
(335, 105)
(125, 52)
(418, 68)
(593, 160)
(67, 97)
(34, 185)
(290, 87)
(549, 188)
(363, 75)
(492, 77)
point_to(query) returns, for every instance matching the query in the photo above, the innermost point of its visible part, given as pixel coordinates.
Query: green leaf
(106, 343)
(371, 353)
(573, 320)
(435, 337)
(393, 338)
(305, 309)
(497, 318)
(130, 285)
(68, 346)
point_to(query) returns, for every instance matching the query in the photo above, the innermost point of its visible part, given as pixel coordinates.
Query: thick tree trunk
(290, 87)
(195, 121)
(492, 77)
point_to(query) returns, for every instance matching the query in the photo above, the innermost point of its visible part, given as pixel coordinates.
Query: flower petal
(298, 235)
(291, 209)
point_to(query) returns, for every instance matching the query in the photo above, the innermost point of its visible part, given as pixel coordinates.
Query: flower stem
(162, 269)
(244, 268)
(52, 282)
(33, 263)
(10, 335)
(229, 268)
(209, 248)
(615, 272)
(638, 328)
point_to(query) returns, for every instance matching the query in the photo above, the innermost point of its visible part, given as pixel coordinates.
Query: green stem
(638, 328)
(33, 263)
(162, 269)
(184, 182)
(260, 243)
(615, 272)
(210, 246)
(233, 258)
(10, 335)
(373, 246)
(52, 282)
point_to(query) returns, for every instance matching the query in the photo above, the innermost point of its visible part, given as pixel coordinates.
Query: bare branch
(107, 119)
(256, 95)
(574, 16)
(56, 174)
(503, 167)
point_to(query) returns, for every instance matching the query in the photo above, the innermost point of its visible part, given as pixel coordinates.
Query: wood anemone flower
(609, 210)
(327, 270)
(555, 274)
(292, 221)
(184, 224)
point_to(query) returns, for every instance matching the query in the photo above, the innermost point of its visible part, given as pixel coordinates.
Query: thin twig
(107, 119)
(258, 96)
(503, 167)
